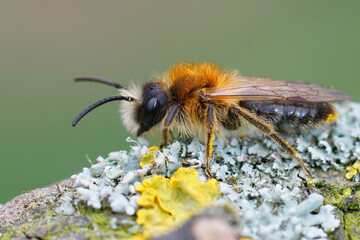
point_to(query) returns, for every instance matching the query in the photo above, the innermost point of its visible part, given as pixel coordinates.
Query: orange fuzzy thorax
(185, 78)
(184, 81)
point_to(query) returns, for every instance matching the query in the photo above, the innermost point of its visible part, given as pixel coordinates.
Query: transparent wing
(251, 88)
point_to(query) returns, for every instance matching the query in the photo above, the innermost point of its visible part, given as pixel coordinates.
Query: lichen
(149, 156)
(8, 234)
(259, 180)
(169, 202)
(353, 170)
(88, 223)
(347, 200)
(262, 185)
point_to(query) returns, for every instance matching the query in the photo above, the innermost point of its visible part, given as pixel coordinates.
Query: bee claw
(309, 174)
(207, 170)
(303, 166)
(208, 173)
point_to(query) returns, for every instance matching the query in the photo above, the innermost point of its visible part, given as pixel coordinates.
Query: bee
(201, 99)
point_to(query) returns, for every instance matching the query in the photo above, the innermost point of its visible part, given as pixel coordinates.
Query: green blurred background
(44, 44)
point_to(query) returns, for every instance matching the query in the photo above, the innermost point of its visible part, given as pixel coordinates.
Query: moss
(103, 217)
(8, 234)
(347, 200)
(100, 218)
(352, 225)
(91, 224)
(29, 223)
(36, 215)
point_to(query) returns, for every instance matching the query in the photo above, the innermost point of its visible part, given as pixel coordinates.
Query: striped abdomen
(291, 115)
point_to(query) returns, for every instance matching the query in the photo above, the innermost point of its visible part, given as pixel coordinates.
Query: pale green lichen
(255, 172)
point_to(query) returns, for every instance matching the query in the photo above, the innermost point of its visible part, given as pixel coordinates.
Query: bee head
(152, 108)
(142, 108)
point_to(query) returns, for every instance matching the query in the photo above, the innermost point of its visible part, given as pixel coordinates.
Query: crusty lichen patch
(347, 200)
(87, 224)
(149, 156)
(353, 170)
(168, 203)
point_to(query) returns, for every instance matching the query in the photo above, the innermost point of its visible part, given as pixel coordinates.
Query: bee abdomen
(291, 115)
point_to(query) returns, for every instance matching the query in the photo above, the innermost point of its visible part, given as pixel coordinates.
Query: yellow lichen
(149, 157)
(168, 203)
(353, 170)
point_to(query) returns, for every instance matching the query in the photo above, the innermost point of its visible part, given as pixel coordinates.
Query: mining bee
(202, 100)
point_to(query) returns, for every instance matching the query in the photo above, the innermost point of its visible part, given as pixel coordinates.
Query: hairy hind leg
(268, 130)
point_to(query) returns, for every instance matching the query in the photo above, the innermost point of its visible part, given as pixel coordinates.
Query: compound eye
(152, 104)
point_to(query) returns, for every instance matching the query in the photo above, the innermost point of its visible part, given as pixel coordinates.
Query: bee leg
(210, 137)
(268, 130)
(168, 120)
(165, 135)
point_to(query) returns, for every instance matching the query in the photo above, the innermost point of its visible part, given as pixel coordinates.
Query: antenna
(99, 80)
(99, 103)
